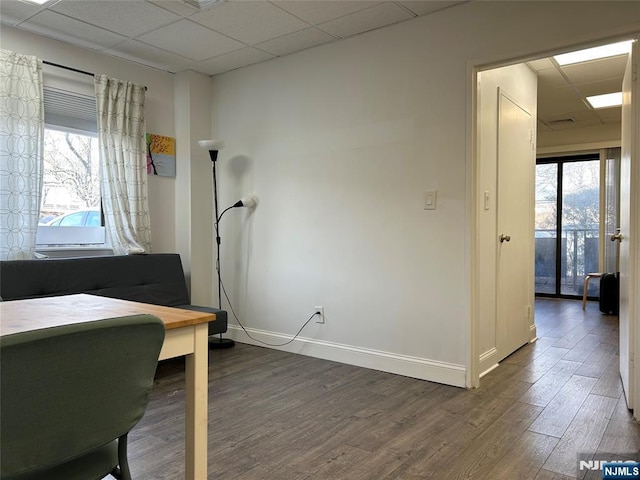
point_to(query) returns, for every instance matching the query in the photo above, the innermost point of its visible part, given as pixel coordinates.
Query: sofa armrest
(216, 327)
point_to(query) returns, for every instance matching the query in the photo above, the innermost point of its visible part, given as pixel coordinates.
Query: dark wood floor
(279, 416)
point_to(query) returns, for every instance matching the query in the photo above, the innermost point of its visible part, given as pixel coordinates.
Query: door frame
(473, 199)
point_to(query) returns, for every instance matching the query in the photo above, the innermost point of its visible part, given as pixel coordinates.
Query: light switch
(430, 200)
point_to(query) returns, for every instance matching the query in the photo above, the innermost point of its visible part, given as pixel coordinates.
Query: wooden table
(186, 334)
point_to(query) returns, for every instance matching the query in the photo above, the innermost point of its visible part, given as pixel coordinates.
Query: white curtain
(21, 153)
(123, 164)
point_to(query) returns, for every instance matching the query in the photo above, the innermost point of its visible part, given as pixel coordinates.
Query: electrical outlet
(320, 314)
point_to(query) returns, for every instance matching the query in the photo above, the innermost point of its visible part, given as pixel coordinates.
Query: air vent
(561, 121)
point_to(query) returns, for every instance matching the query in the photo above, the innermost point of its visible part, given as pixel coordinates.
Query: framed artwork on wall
(161, 155)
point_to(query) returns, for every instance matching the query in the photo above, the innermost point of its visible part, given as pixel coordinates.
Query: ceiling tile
(558, 101)
(611, 115)
(231, 61)
(190, 40)
(542, 64)
(295, 41)
(551, 78)
(126, 17)
(147, 55)
(364, 20)
(604, 86)
(249, 22)
(58, 26)
(596, 69)
(421, 7)
(323, 11)
(178, 7)
(14, 12)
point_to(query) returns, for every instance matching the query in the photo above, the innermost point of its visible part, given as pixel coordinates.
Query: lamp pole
(214, 156)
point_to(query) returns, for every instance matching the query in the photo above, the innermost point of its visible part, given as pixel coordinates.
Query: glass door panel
(580, 225)
(546, 227)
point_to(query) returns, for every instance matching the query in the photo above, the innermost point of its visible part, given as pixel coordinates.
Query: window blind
(70, 110)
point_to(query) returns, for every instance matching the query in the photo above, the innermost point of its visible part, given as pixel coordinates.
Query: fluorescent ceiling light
(606, 100)
(594, 53)
(39, 2)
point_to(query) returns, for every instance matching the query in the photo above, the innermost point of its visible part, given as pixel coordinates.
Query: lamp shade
(211, 144)
(250, 201)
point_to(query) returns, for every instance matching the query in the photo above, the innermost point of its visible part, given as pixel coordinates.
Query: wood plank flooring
(278, 416)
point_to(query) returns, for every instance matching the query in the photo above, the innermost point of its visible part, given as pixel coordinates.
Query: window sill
(74, 251)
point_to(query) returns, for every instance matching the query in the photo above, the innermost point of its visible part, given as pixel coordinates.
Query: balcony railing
(578, 257)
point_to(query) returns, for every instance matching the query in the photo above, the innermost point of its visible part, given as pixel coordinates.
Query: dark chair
(69, 395)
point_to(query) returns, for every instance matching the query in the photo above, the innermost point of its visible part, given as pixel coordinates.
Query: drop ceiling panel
(541, 64)
(231, 61)
(604, 86)
(611, 115)
(559, 101)
(296, 41)
(249, 22)
(596, 69)
(58, 26)
(551, 78)
(131, 18)
(319, 12)
(190, 40)
(420, 7)
(14, 12)
(151, 56)
(176, 6)
(365, 20)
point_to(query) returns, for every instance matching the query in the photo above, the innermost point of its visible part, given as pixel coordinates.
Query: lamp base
(217, 342)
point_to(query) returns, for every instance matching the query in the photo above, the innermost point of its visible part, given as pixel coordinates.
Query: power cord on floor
(255, 339)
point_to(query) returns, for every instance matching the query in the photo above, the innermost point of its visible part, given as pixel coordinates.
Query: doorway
(483, 354)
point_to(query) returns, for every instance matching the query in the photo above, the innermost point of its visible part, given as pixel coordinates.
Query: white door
(514, 236)
(629, 224)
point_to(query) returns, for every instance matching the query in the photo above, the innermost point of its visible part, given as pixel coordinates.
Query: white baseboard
(488, 361)
(415, 367)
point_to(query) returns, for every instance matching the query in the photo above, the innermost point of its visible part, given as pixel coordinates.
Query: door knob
(504, 238)
(617, 236)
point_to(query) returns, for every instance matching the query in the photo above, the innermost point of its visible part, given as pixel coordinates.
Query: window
(70, 212)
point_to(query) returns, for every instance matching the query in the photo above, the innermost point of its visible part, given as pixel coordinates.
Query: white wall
(339, 142)
(158, 105)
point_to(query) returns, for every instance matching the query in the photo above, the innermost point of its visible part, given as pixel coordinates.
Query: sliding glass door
(567, 220)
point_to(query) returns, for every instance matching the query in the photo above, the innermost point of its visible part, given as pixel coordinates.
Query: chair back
(67, 390)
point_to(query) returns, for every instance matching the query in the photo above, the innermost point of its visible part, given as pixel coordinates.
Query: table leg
(584, 291)
(197, 381)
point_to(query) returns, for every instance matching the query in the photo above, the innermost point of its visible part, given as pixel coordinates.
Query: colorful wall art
(161, 155)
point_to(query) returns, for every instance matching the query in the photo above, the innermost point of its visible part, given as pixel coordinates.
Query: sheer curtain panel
(123, 164)
(21, 153)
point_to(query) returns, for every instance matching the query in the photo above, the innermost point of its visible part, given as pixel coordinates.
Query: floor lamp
(213, 146)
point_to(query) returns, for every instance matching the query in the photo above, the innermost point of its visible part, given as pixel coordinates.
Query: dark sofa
(156, 278)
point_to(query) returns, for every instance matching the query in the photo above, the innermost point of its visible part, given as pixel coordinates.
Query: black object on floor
(610, 293)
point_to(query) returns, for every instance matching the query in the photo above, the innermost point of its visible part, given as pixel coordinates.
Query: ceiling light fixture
(605, 101)
(604, 51)
(39, 2)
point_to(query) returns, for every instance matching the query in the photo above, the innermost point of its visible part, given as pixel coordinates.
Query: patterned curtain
(123, 164)
(21, 153)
